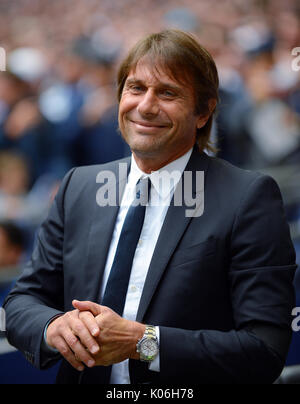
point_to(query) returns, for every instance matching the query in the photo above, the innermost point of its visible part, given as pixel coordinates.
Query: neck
(148, 164)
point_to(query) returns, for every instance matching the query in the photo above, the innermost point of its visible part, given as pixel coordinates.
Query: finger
(79, 351)
(76, 328)
(80, 330)
(67, 353)
(90, 322)
(87, 306)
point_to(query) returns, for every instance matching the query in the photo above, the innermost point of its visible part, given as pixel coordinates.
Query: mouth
(148, 125)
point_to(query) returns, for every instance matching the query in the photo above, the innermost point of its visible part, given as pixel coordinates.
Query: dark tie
(117, 284)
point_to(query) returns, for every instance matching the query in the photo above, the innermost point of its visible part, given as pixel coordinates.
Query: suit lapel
(101, 231)
(102, 227)
(174, 226)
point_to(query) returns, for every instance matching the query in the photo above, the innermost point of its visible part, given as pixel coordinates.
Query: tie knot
(143, 188)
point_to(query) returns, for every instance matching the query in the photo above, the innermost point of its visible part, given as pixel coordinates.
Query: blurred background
(58, 106)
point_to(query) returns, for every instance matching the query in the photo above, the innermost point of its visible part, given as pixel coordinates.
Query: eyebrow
(161, 84)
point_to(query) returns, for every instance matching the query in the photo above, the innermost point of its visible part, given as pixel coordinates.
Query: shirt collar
(160, 179)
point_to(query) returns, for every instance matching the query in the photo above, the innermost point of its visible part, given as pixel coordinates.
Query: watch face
(149, 348)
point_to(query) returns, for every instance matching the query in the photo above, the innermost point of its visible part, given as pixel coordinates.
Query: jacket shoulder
(234, 184)
(232, 177)
(85, 172)
(86, 175)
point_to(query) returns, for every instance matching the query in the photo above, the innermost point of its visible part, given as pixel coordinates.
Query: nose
(148, 105)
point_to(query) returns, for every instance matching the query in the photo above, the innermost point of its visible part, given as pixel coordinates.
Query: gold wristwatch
(147, 346)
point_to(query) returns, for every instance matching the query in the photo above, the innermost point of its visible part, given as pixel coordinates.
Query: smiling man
(157, 116)
(161, 297)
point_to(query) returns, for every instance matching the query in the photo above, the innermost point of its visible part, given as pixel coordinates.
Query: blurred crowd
(58, 106)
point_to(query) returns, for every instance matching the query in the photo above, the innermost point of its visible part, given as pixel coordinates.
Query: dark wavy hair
(180, 55)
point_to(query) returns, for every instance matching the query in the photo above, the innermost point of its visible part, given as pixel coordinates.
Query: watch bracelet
(150, 333)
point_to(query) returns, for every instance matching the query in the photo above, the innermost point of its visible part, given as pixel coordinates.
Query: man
(195, 298)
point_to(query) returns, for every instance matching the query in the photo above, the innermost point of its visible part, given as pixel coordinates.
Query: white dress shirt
(159, 201)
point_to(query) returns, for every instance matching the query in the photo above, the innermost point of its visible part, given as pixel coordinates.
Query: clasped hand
(94, 335)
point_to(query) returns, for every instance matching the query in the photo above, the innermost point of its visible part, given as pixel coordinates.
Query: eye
(168, 93)
(136, 89)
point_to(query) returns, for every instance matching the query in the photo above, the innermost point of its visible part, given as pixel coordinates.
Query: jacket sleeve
(260, 280)
(38, 295)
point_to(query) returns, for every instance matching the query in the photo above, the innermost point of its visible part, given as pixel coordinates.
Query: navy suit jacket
(219, 285)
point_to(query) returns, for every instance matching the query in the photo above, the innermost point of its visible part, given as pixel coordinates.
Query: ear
(212, 103)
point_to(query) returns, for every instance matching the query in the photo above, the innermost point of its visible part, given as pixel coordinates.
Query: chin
(146, 149)
(144, 144)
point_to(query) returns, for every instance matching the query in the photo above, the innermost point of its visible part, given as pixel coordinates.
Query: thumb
(94, 308)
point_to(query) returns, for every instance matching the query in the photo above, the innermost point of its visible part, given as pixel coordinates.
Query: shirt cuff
(154, 366)
(45, 347)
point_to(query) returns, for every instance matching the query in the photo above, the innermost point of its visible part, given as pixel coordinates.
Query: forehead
(155, 73)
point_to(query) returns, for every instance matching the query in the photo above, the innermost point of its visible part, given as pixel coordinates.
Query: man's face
(157, 114)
